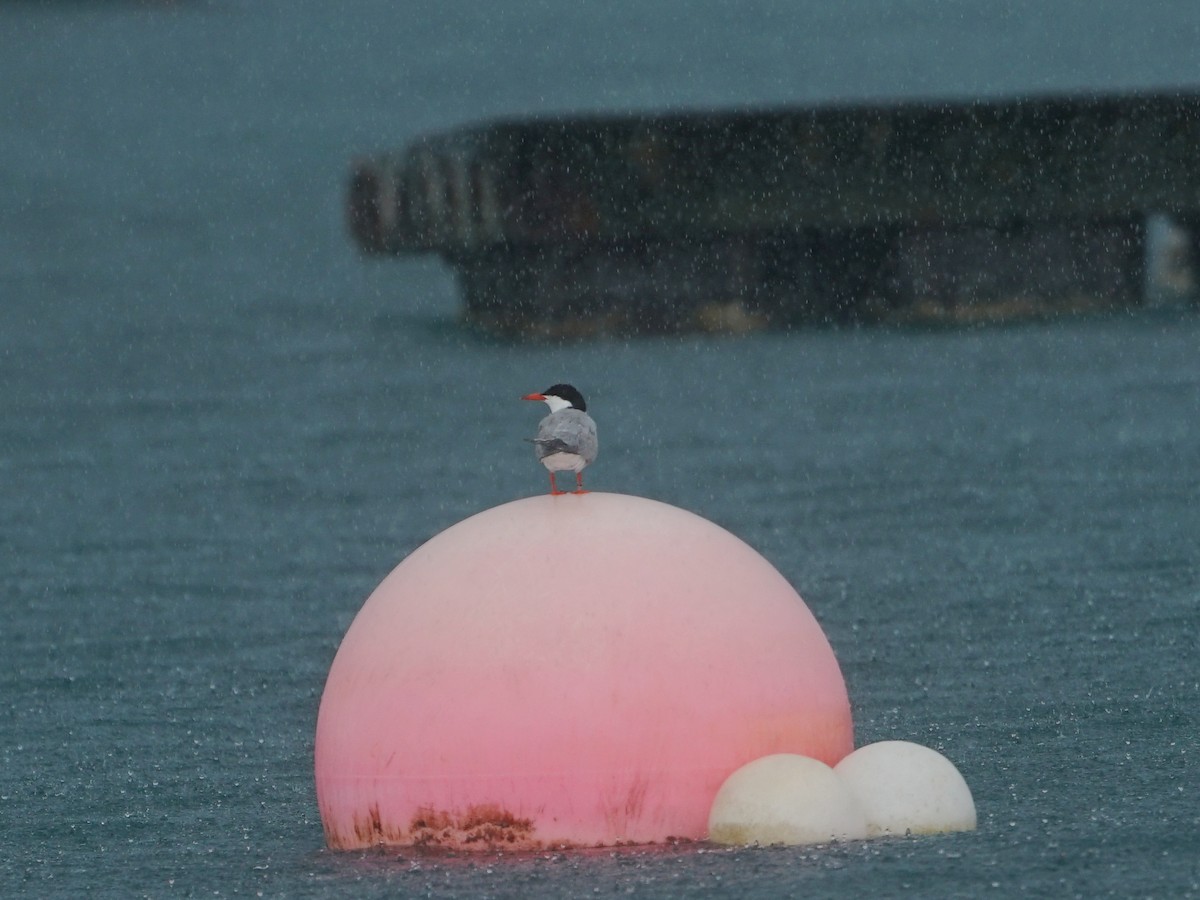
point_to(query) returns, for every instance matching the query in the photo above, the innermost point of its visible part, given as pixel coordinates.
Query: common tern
(566, 439)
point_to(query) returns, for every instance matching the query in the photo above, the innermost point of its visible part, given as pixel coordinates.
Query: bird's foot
(557, 493)
(580, 491)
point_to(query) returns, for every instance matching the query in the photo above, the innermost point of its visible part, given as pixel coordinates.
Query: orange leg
(554, 486)
(579, 484)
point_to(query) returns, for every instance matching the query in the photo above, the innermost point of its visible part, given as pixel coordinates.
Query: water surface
(219, 429)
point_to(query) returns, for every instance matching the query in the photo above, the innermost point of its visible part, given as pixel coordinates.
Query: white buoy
(785, 799)
(906, 788)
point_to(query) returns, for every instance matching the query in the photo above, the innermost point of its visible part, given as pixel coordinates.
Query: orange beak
(534, 397)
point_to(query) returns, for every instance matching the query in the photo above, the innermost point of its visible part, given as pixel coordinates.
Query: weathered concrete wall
(828, 213)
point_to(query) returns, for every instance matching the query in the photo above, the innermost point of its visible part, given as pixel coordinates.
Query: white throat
(557, 403)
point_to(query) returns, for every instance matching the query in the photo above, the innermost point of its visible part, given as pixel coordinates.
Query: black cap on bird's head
(563, 392)
(569, 393)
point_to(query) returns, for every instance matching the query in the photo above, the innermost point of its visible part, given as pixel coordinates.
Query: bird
(566, 439)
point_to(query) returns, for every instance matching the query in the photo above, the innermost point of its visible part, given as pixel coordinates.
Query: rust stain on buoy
(478, 827)
(485, 825)
(369, 831)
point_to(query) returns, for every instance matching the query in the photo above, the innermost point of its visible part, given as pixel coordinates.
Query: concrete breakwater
(947, 211)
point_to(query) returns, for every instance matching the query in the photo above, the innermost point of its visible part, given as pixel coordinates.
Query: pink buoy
(579, 670)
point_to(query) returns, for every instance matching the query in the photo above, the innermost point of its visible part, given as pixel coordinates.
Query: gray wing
(567, 431)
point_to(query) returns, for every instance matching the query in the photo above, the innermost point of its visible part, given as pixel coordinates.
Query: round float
(579, 670)
(905, 788)
(785, 799)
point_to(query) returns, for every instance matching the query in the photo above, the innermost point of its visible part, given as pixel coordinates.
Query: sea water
(220, 428)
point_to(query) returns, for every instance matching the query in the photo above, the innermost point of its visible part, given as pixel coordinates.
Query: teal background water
(220, 428)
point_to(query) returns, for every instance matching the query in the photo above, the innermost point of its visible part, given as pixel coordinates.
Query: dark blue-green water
(220, 428)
